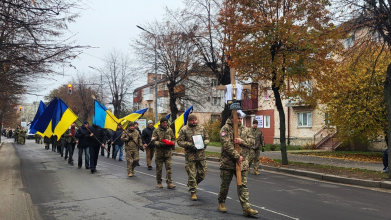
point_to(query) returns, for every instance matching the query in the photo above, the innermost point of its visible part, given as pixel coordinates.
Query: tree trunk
(281, 113)
(173, 106)
(387, 93)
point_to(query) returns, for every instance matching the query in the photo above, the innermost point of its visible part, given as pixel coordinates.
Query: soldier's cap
(130, 124)
(150, 122)
(163, 119)
(192, 117)
(255, 122)
(85, 122)
(136, 123)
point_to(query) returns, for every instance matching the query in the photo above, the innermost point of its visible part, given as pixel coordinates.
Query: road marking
(213, 193)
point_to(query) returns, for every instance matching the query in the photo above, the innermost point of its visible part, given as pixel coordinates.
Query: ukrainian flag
(103, 117)
(158, 123)
(40, 111)
(182, 120)
(62, 118)
(44, 123)
(132, 117)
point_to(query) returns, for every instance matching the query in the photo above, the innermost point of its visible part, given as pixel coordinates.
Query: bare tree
(200, 21)
(32, 40)
(177, 60)
(120, 77)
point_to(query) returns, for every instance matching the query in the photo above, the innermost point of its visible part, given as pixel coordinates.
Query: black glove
(130, 138)
(193, 148)
(263, 149)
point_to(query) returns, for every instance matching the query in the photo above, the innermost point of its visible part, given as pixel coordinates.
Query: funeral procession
(195, 109)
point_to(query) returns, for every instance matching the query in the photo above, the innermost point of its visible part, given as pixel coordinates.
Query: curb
(318, 176)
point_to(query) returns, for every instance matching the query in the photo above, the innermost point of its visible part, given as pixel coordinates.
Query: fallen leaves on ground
(359, 157)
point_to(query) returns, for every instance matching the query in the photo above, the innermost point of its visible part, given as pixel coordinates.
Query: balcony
(148, 97)
(249, 104)
(294, 102)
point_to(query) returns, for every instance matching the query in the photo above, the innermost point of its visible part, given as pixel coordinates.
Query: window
(151, 90)
(213, 82)
(266, 95)
(135, 94)
(149, 105)
(326, 118)
(216, 101)
(266, 121)
(304, 119)
(146, 106)
(137, 106)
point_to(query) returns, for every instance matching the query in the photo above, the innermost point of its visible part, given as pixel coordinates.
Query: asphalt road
(61, 191)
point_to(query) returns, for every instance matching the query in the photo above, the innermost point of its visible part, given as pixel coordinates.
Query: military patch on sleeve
(223, 134)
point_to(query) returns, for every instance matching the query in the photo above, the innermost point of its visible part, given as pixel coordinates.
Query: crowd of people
(159, 142)
(19, 134)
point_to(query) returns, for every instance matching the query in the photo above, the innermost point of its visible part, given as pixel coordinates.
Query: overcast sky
(104, 25)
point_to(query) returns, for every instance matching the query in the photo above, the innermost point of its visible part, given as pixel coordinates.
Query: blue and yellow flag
(103, 117)
(132, 117)
(44, 123)
(158, 123)
(62, 118)
(182, 120)
(41, 109)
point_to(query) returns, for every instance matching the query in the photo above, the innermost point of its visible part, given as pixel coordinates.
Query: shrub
(273, 147)
(213, 129)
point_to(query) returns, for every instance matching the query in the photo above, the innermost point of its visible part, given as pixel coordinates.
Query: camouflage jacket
(258, 137)
(22, 133)
(68, 137)
(185, 140)
(129, 144)
(229, 156)
(157, 136)
(16, 132)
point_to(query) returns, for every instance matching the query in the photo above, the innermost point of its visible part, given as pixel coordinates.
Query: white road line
(213, 193)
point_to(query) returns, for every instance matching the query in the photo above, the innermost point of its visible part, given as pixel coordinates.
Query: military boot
(130, 174)
(249, 212)
(170, 186)
(194, 196)
(133, 172)
(159, 185)
(222, 207)
(256, 172)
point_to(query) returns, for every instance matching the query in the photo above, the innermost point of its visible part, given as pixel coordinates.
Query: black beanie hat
(255, 122)
(163, 119)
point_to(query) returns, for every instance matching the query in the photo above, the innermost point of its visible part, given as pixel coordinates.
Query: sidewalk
(14, 202)
(315, 160)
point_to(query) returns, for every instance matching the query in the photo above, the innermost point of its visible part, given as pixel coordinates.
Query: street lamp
(101, 90)
(154, 36)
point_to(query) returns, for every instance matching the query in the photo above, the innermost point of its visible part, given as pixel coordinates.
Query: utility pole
(155, 101)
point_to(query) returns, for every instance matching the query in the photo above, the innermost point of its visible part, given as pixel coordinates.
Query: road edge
(315, 175)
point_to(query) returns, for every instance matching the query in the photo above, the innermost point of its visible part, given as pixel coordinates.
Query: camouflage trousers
(196, 171)
(132, 158)
(254, 158)
(150, 151)
(159, 169)
(226, 178)
(21, 140)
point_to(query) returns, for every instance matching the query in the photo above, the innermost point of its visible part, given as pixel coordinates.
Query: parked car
(29, 135)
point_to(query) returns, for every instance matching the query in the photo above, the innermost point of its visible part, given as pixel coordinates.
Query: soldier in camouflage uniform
(195, 159)
(228, 160)
(16, 133)
(254, 151)
(162, 138)
(22, 136)
(132, 140)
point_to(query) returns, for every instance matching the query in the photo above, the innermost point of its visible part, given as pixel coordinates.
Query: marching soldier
(195, 158)
(16, 133)
(132, 141)
(229, 158)
(22, 136)
(255, 149)
(162, 138)
(47, 141)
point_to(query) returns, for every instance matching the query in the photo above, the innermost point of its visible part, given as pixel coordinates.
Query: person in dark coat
(47, 142)
(97, 139)
(116, 142)
(82, 134)
(385, 161)
(146, 137)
